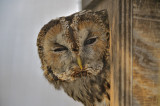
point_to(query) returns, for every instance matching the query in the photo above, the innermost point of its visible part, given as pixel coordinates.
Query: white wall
(21, 80)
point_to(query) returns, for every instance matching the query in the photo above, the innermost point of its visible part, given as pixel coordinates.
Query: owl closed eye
(74, 53)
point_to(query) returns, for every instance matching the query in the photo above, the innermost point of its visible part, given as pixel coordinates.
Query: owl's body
(74, 52)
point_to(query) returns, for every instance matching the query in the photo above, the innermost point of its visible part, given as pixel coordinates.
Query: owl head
(74, 47)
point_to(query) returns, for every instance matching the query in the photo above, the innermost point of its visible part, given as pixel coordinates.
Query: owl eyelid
(60, 49)
(90, 41)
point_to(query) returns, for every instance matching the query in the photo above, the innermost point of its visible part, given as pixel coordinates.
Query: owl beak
(79, 62)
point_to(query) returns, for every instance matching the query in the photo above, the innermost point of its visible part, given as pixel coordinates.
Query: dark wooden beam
(121, 51)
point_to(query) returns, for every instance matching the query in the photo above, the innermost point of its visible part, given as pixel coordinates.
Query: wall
(21, 79)
(146, 49)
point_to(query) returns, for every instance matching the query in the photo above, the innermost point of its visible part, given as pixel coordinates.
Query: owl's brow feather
(57, 44)
(89, 34)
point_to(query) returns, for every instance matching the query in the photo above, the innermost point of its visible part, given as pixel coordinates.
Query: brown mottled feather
(90, 85)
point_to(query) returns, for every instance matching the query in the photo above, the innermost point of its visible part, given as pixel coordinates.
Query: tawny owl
(74, 53)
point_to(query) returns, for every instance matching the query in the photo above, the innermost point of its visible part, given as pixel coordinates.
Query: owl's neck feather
(90, 90)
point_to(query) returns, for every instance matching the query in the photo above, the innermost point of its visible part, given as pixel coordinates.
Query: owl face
(75, 46)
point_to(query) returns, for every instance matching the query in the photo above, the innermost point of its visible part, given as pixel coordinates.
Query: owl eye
(60, 49)
(90, 41)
